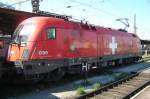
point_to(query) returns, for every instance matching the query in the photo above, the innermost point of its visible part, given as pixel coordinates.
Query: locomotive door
(68, 42)
(74, 43)
(99, 44)
(49, 48)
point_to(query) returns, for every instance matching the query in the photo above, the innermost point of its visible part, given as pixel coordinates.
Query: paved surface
(147, 71)
(144, 94)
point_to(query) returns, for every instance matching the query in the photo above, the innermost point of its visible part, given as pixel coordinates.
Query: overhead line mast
(35, 5)
(135, 28)
(36, 9)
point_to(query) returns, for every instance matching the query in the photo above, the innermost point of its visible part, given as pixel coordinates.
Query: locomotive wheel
(56, 74)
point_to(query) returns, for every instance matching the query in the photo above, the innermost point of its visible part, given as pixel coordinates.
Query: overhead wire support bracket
(124, 21)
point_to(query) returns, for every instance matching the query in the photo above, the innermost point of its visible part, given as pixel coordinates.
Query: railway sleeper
(134, 82)
(134, 85)
(109, 95)
(102, 97)
(137, 86)
(137, 81)
(122, 87)
(142, 78)
(127, 86)
(145, 75)
(122, 90)
(116, 94)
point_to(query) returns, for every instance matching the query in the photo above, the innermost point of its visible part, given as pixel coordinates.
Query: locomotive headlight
(12, 52)
(25, 53)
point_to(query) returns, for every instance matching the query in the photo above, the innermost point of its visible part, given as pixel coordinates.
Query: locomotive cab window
(51, 33)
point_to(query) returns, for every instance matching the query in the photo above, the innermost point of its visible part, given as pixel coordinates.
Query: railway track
(122, 89)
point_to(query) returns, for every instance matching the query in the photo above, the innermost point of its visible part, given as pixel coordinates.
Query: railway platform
(144, 94)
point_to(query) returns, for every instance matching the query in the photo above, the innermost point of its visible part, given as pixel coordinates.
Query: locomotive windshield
(22, 32)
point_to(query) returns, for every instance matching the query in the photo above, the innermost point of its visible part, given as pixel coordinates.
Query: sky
(99, 12)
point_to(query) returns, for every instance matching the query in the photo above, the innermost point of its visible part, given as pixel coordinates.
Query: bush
(97, 86)
(118, 76)
(80, 91)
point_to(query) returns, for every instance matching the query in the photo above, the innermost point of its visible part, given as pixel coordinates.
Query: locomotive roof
(71, 24)
(9, 19)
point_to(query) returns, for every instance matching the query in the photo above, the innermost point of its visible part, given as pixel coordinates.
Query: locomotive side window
(51, 33)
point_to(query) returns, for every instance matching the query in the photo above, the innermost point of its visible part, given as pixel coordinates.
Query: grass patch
(119, 75)
(107, 71)
(80, 91)
(97, 86)
(85, 82)
(147, 61)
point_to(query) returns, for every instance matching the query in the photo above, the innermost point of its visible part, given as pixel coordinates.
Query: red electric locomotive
(45, 47)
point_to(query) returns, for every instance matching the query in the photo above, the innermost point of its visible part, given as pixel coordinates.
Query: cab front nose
(14, 52)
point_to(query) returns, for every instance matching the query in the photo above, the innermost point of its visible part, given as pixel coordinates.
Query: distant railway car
(4, 43)
(44, 47)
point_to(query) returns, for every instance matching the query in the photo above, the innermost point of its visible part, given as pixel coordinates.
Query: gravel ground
(134, 67)
(69, 90)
